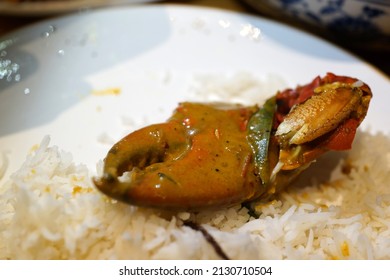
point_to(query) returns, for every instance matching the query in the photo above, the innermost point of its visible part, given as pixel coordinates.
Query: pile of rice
(49, 209)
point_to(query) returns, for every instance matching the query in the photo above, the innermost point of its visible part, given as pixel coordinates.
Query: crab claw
(219, 155)
(185, 163)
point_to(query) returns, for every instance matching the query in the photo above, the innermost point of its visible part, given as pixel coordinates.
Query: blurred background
(361, 27)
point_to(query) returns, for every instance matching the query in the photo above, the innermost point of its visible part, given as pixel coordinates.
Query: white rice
(49, 209)
(242, 87)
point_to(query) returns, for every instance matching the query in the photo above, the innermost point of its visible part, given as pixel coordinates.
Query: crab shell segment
(326, 120)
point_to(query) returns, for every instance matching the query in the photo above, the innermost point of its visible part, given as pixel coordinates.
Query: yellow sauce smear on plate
(107, 91)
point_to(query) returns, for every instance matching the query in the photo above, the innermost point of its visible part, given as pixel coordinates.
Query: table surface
(380, 59)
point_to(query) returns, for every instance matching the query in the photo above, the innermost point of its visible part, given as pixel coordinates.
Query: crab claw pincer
(185, 163)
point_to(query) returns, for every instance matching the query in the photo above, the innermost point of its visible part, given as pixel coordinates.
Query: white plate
(49, 7)
(150, 54)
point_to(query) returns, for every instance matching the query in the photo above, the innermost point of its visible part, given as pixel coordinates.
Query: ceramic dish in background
(362, 23)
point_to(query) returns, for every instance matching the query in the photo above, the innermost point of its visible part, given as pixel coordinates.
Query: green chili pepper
(259, 134)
